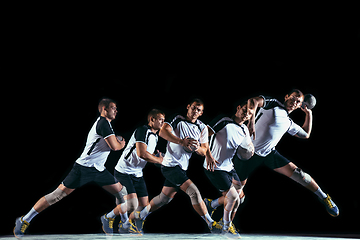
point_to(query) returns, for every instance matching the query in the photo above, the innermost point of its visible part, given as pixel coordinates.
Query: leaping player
(89, 167)
(185, 135)
(271, 122)
(129, 172)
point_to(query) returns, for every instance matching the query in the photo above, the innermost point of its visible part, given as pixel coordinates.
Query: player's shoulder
(270, 102)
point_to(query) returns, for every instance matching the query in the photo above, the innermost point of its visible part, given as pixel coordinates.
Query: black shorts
(273, 160)
(133, 184)
(174, 176)
(80, 175)
(222, 180)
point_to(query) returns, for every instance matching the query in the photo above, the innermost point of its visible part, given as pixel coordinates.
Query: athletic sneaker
(230, 232)
(215, 227)
(107, 224)
(331, 207)
(128, 229)
(210, 209)
(140, 223)
(20, 227)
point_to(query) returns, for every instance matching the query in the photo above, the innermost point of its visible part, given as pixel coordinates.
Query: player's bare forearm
(141, 150)
(203, 149)
(307, 126)
(165, 133)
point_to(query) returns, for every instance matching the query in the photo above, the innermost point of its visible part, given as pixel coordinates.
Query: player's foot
(128, 227)
(230, 231)
(139, 223)
(215, 227)
(210, 209)
(330, 206)
(20, 227)
(107, 224)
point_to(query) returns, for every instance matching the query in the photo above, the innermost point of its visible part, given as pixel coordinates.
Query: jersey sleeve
(270, 102)
(140, 134)
(293, 129)
(214, 122)
(104, 129)
(204, 136)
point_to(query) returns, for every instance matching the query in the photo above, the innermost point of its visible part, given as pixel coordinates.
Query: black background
(60, 69)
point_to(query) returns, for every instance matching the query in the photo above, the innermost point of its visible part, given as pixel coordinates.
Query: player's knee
(194, 194)
(161, 199)
(120, 196)
(55, 196)
(132, 204)
(232, 194)
(301, 177)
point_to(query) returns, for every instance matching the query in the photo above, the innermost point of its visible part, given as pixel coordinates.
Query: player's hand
(211, 163)
(306, 110)
(188, 142)
(121, 140)
(160, 156)
(251, 127)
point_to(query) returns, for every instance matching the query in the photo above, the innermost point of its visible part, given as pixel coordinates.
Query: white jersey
(96, 149)
(130, 162)
(228, 136)
(175, 154)
(271, 123)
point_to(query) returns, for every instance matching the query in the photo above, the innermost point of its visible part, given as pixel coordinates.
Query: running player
(185, 135)
(128, 171)
(89, 167)
(227, 134)
(271, 122)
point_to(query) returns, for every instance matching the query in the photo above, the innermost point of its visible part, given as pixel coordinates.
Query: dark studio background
(67, 71)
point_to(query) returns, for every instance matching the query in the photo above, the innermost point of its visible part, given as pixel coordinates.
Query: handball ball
(246, 152)
(309, 101)
(191, 148)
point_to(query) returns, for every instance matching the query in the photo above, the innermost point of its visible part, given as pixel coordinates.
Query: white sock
(215, 203)
(226, 224)
(208, 219)
(320, 193)
(30, 215)
(145, 212)
(124, 217)
(111, 214)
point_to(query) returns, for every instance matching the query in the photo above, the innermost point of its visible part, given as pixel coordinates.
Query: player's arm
(114, 143)
(253, 104)
(166, 133)
(141, 150)
(307, 126)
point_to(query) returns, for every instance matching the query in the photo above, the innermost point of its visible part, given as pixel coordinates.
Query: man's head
(156, 119)
(195, 109)
(107, 108)
(293, 100)
(243, 113)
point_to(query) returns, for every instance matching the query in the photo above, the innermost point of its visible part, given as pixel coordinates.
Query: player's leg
(121, 194)
(199, 205)
(70, 183)
(166, 195)
(298, 175)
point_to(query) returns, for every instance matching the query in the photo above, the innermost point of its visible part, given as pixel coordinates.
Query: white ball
(191, 148)
(245, 152)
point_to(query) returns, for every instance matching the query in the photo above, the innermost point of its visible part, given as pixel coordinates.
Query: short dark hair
(153, 113)
(105, 102)
(296, 91)
(197, 100)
